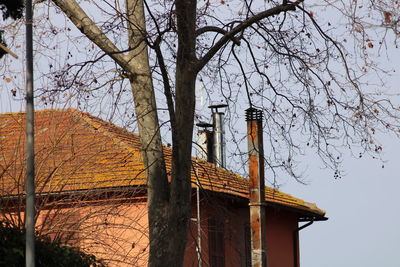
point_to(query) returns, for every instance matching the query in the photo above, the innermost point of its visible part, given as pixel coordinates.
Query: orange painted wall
(119, 232)
(234, 220)
(281, 225)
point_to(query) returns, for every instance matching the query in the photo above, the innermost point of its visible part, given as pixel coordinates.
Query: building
(91, 193)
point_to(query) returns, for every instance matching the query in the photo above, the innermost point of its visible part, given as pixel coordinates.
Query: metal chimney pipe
(218, 135)
(218, 144)
(256, 187)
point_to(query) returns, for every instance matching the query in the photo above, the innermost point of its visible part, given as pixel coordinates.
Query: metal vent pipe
(256, 187)
(218, 135)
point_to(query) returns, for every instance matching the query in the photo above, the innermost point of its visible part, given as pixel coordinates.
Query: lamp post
(30, 155)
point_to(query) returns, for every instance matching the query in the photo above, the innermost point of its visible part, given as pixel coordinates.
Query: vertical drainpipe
(296, 250)
(198, 248)
(198, 222)
(256, 187)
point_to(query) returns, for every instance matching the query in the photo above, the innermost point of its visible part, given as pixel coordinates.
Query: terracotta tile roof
(76, 151)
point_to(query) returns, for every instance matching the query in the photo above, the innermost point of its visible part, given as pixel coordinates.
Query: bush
(48, 254)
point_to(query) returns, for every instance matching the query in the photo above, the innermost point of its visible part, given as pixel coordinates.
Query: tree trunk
(169, 205)
(149, 132)
(180, 201)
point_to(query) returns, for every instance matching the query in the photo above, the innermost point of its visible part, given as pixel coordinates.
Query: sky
(362, 206)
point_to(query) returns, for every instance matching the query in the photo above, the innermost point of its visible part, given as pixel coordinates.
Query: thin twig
(8, 51)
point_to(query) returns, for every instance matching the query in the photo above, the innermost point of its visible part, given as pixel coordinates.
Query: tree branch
(163, 69)
(82, 21)
(8, 51)
(242, 26)
(218, 30)
(167, 86)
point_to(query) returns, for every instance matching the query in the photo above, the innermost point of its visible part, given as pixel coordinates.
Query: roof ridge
(49, 110)
(91, 120)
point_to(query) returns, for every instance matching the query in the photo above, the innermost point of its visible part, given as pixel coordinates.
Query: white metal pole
(198, 228)
(30, 167)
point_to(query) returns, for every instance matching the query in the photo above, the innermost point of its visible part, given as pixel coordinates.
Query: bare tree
(111, 222)
(289, 58)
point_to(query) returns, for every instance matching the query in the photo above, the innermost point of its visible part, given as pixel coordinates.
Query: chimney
(218, 135)
(256, 187)
(205, 142)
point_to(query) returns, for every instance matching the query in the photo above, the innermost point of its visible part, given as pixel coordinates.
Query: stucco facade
(118, 232)
(91, 193)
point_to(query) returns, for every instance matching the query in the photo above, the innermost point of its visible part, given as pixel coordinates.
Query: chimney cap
(204, 124)
(217, 106)
(253, 114)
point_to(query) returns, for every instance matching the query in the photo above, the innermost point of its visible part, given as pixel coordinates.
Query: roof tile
(75, 151)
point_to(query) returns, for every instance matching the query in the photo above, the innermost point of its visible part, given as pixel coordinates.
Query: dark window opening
(247, 245)
(216, 246)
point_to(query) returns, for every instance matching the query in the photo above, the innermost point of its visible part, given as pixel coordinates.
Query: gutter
(296, 249)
